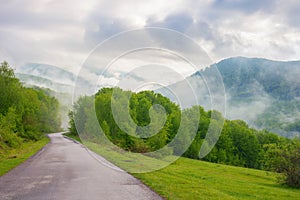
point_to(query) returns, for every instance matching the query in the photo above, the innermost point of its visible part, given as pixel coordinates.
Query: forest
(26, 114)
(238, 144)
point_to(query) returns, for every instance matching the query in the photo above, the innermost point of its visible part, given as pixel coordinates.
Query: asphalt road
(65, 170)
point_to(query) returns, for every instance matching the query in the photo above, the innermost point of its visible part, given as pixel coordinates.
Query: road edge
(107, 163)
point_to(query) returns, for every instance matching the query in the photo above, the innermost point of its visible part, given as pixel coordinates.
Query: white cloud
(62, 33)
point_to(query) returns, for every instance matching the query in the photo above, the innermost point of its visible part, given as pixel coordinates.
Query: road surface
(66, 170)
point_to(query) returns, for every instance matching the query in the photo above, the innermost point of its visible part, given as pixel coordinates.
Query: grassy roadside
(73, 136)
(12, 158)
(194, 179)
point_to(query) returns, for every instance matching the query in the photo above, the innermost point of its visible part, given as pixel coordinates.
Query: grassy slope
(194, 179)
(12, 158)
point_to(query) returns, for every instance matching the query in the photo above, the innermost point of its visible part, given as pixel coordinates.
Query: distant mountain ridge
(59, 81)
(50, 72)
(32, 80)
(49, 76)
(264, 93)
(278, 79)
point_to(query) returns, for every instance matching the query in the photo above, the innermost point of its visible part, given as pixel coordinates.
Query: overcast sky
(63, 32)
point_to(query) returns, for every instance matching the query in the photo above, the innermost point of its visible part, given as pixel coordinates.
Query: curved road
(66, 170)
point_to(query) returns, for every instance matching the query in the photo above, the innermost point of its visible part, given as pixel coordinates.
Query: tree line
(238, 144)
(25, 113)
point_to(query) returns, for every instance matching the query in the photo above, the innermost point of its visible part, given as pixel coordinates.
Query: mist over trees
(25, 113)
(269, 90)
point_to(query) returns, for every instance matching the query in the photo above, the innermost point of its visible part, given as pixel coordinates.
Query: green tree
(284, 159)
(25, 113)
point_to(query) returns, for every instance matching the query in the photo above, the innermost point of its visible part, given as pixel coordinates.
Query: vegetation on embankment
(73, 136)
(13, 157)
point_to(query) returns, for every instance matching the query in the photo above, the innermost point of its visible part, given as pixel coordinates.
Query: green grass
(73, 136)
(9, 159)
(194, 179)
(131, 161)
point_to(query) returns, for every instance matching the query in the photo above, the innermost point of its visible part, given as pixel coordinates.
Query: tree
(10, 89)
(6, 70)
(285, 160)
(25, 113)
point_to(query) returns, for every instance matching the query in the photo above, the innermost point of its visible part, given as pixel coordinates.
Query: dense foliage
(238, 144)
(285, 159)
(139, 140)
(25, 113)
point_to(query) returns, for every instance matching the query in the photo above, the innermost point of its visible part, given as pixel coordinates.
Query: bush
(290, 167)
(8, 134)
(286, 161)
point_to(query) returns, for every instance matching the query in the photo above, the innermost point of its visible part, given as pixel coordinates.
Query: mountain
(264, 93)
(245, 77)
(269, 90)
(58, 83)
(32, 80)
(47, 76)
(54, 73)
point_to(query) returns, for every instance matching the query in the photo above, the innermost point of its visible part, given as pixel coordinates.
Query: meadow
(195, 179)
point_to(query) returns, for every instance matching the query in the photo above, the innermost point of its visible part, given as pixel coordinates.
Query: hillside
(264, 93)
(270, 88)
(250, 77)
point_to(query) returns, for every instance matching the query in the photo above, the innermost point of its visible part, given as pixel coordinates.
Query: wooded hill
(25, 113)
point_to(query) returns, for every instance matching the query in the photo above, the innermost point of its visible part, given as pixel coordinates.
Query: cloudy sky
(63, 32)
